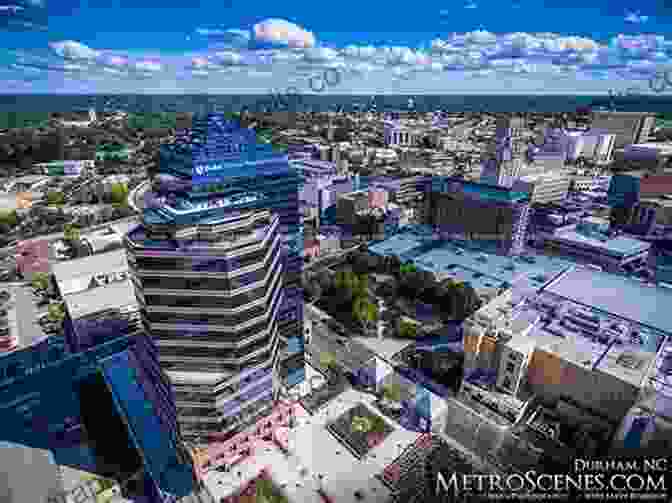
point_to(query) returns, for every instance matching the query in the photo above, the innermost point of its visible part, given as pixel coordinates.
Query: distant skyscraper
(629, 127)
(506, 157)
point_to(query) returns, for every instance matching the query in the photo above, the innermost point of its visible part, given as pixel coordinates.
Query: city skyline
(466, 48)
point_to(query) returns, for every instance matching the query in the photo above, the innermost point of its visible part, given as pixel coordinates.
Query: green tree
(361, 424)
(71, 233)
(378, 424)
(55, 198)
(266, 492)
(56, 313)
(8, 217)
(327, 360)
(40, 281)
(407, 329)
(392, 392)
(364, 311)
(118, 193)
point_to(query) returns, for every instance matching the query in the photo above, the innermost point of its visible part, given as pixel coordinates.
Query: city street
(352, 355)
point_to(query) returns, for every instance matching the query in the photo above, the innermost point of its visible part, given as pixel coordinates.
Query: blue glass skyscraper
(217, 268)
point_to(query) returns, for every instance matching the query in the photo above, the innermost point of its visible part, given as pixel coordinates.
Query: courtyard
(360, 429)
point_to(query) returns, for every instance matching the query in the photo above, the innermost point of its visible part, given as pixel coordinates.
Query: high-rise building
(628, 127)
(495, 216)
(506, 154)
(217, 267)
(640, 200)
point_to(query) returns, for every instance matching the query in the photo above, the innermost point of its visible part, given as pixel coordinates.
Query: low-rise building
(95, 289)
(573, 341)
(32, 257)
(590, 241)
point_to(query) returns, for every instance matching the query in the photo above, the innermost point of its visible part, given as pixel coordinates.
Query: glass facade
(217, 268)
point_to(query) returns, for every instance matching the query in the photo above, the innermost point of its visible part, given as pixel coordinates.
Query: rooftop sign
(107, 278)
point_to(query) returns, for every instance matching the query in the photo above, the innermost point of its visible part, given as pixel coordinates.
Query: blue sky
(231, 46)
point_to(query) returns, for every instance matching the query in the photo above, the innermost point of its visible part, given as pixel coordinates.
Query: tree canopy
(8, 217)
(55, 198)
(40, 280)
(407, 329)
(56, 312)
(71, 233)
(392, 392)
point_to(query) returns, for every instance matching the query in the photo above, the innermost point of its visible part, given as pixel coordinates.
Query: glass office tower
(217, 271)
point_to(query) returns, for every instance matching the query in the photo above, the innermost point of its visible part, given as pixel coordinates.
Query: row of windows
(201, 319)
(239, 335)
(245, 314)
(209, 396)
(207, 283)
(218, 353)
(205, 263)
(224, 302)
(252, 345)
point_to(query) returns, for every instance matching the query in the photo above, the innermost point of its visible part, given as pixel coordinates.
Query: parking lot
(27, 314)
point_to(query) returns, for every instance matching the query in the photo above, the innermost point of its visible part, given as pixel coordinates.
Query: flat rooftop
(617, 295)
(482, 190)
(399, 245)
(74, 276)
(479, 268)
(620, 246)
(111, 296)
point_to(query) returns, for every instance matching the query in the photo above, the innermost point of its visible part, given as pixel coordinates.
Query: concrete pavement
(27, 312)
(136, 196)
(351, 354)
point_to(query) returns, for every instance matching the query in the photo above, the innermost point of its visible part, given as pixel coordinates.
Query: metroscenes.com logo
(632, 480)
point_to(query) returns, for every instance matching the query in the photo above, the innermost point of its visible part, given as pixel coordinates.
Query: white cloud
(507, 56)
(240, 33)
(480, 37)
(148, 66)
(207, 32)
(229, 58)
(69, 49)
(117, 61)
(471, 5)
(636, 18)
(200, 62)
(361, 52)
(320, 54)
(280, 31)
